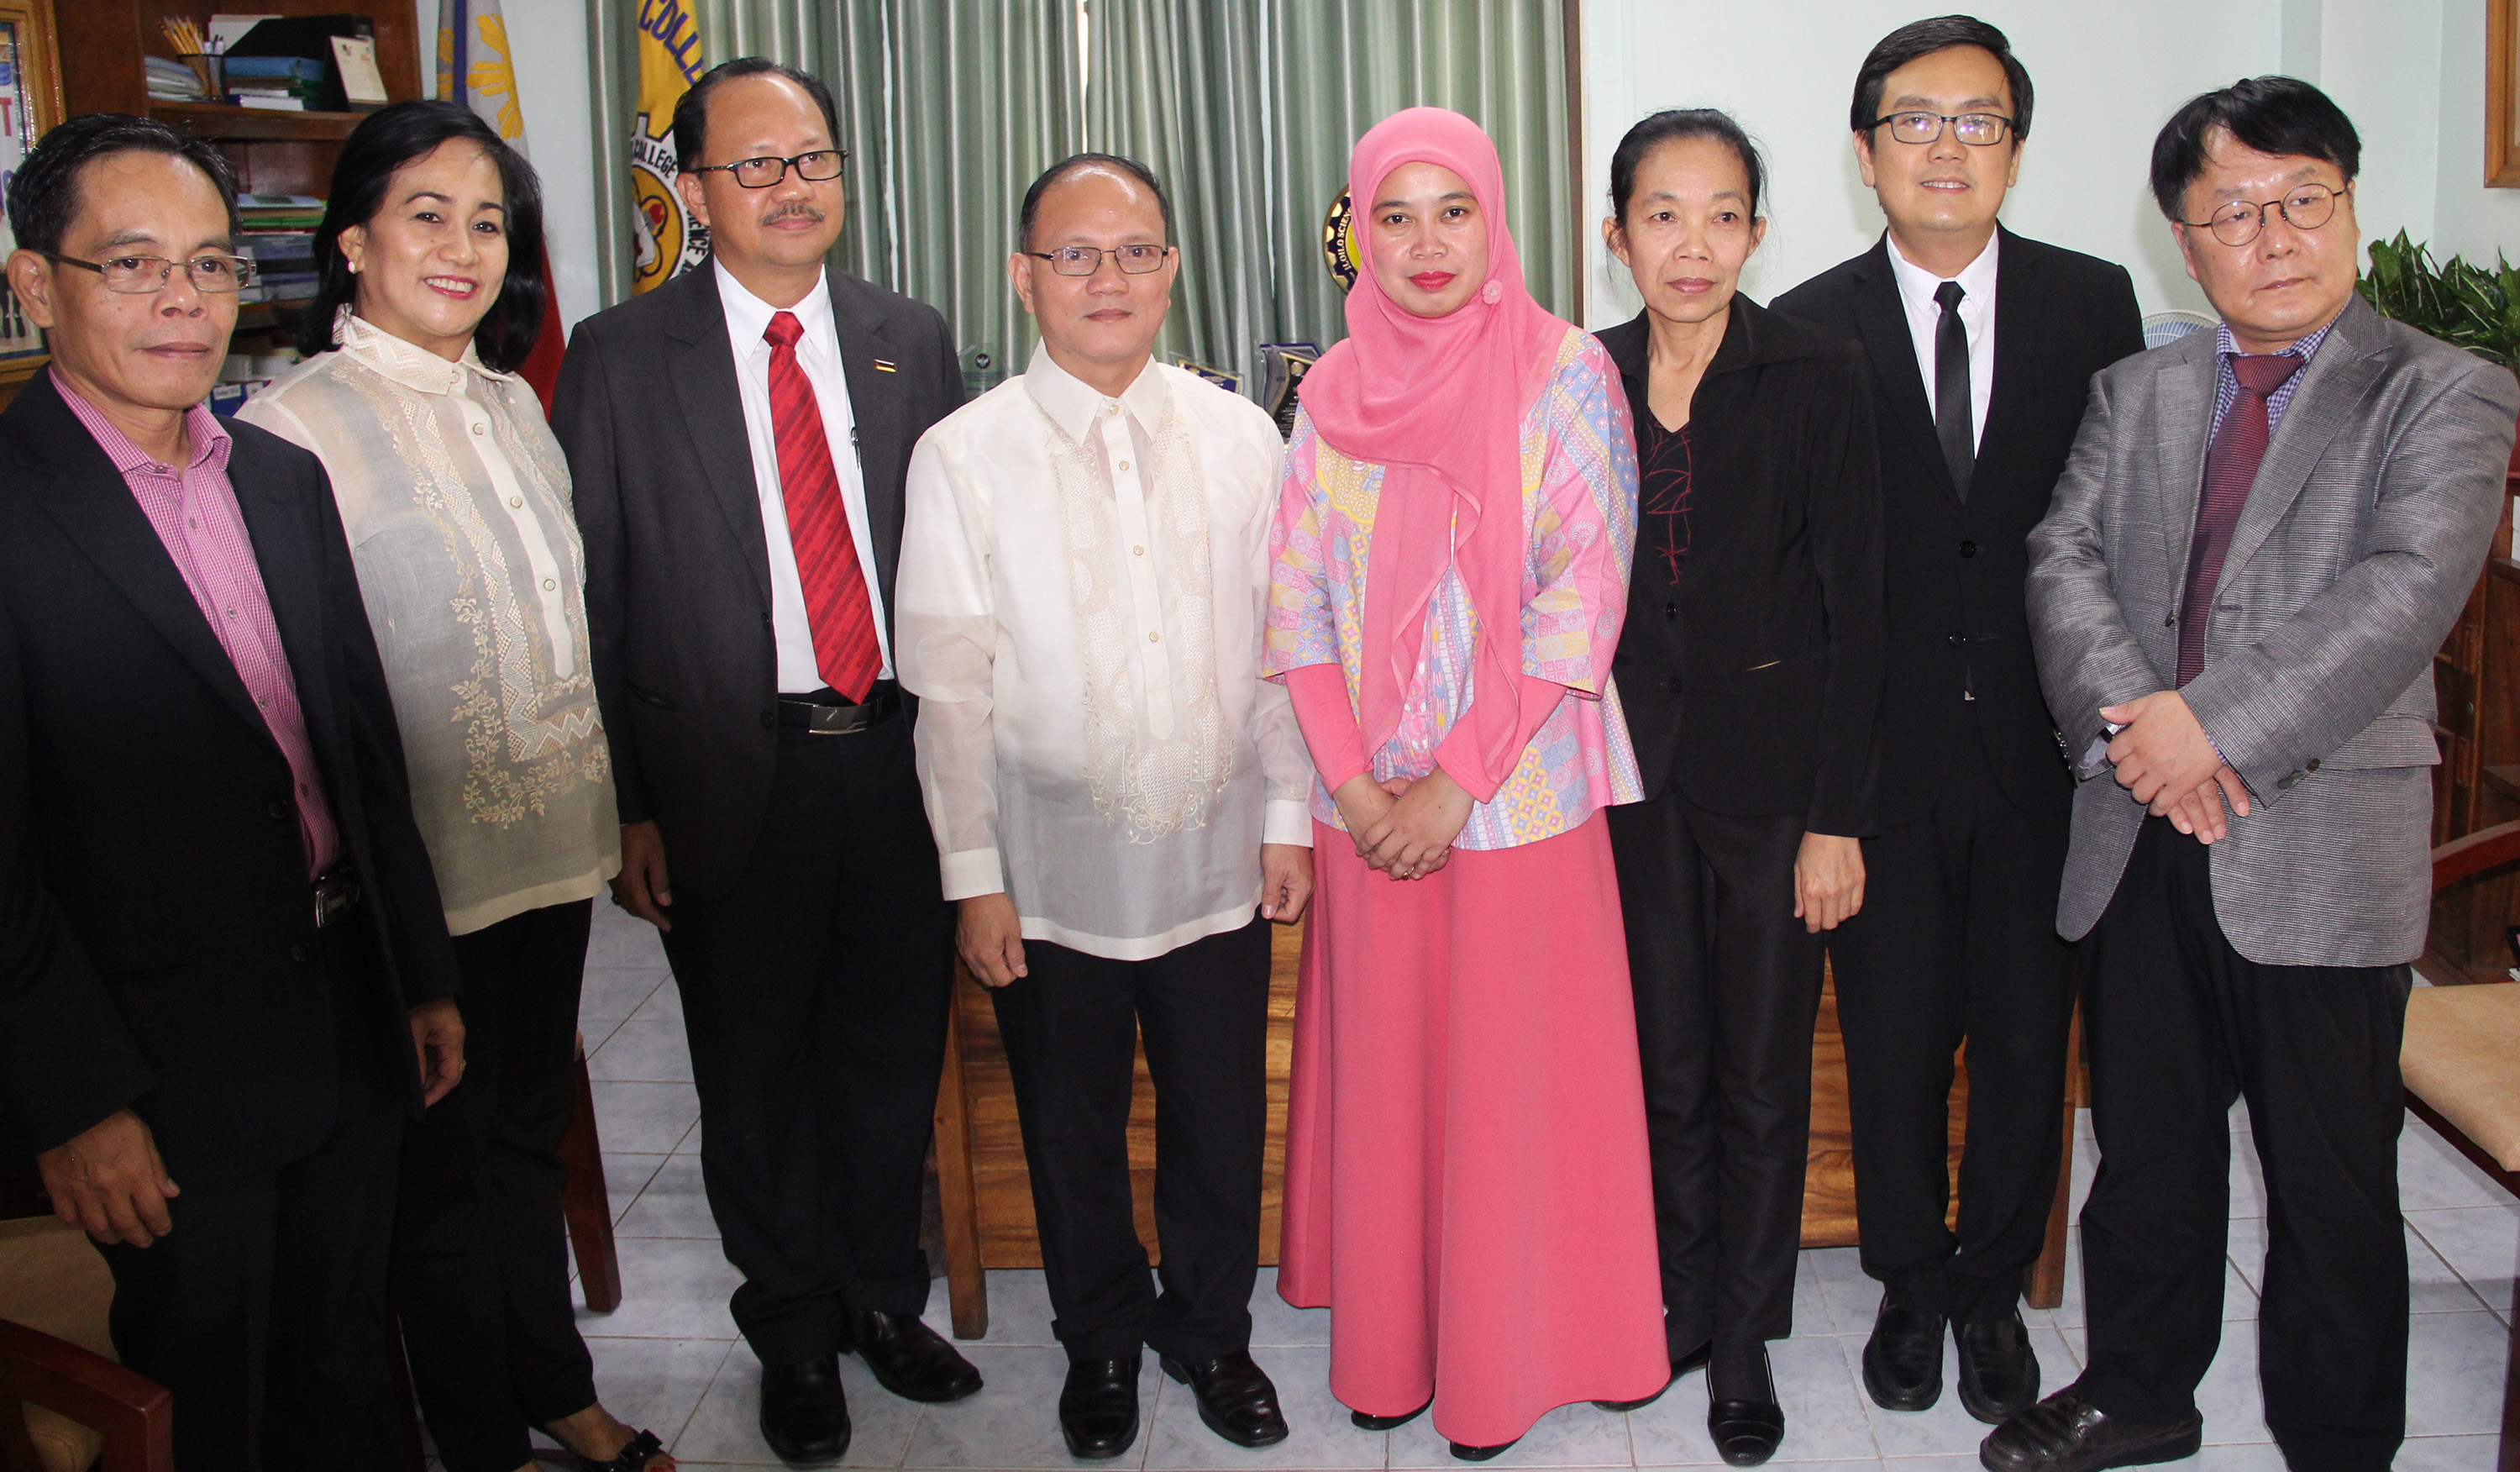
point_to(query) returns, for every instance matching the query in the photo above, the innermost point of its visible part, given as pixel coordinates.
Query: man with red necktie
(739, 439)
(2264, 533)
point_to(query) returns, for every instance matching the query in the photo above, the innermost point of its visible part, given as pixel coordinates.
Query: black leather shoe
(1902, 1361)
(804, 1413)
(1694, 1359)
(909, 1358)
(1098, 1407)
(1480, 1453)
(1363, 1422)
(1234, 1398)
(1999, 1370)
(1747, 1431)
(2066, 1432)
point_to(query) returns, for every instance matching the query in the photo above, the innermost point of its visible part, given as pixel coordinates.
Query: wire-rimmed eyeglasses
(1085, 261)
(140, 275)
(2304, 206)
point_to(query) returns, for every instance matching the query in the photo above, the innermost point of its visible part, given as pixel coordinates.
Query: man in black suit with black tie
(225, 982)
(1982, 348)
(739, 439)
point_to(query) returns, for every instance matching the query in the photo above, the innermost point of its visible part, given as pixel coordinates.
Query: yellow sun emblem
(496, 79)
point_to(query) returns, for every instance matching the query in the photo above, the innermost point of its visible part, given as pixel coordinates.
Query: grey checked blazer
(2358, 546)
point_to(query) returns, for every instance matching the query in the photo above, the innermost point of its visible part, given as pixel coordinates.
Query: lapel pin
(881, 366)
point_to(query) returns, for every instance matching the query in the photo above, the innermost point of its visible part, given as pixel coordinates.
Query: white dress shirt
(818, 351)
(455, 503)
(1977, 318)
(1082, 587)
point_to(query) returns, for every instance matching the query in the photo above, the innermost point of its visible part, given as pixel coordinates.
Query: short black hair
(2282, 115)
(43, 195)
(1672, 123)
(1076, 162)
(690, 112)
(379, 146)
(1918, 39)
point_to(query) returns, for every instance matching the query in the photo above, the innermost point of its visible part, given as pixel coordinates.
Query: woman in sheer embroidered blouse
(456, 504)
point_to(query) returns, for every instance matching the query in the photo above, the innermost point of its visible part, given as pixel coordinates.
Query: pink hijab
(1439, 402)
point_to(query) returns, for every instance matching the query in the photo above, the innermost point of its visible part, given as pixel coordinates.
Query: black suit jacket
(156, 926)
(1953, 570)
(677, 567)
(1755, 683)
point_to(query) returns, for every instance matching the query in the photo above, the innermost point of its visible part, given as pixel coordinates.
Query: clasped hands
(1405, 827)
(2165, 759)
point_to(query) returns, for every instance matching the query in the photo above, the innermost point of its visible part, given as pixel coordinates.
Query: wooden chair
(584, 1198)
(65, 1403)
(2462, 1065)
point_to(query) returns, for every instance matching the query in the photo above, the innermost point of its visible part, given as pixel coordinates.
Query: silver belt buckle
(835, 720)
(335, 894)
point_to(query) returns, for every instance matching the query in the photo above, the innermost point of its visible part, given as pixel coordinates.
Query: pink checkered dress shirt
(195, 516)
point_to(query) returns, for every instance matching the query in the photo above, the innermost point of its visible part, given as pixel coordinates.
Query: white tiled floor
(669, 1358)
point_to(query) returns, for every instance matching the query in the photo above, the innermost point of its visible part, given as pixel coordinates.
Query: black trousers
(2179, 1023)
(814, 993)
(264, 1310)
(1728, 988)
(480, 1260)
(1070, 1028)
(1957, 940)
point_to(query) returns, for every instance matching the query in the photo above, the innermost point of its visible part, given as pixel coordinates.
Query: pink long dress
(1467, 1186)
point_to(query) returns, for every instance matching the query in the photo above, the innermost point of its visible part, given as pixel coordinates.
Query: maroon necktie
(2230, 469)
(818, 524)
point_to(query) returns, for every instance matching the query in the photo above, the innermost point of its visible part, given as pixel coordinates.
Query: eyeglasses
(1976, 129)
(141, 275)
(2306, 207)
(760, 174)
(1085, 261)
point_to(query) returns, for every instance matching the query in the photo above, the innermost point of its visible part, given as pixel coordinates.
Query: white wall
(2410, 72)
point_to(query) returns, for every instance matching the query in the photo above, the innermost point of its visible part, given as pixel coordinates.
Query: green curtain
(1247, 110)
(948, 110)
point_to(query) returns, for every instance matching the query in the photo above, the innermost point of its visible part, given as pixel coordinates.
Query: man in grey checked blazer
(2316, 483)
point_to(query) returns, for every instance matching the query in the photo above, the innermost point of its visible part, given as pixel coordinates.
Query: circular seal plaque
(1340, 249)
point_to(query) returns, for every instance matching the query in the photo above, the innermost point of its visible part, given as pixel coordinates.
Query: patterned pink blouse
(1579, 510)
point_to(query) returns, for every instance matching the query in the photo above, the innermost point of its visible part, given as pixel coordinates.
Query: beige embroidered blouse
(457, 505)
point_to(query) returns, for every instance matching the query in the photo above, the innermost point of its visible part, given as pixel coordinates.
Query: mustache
(796, 209)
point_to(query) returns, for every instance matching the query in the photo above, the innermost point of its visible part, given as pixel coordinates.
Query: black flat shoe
(1694, 1359)
(804, 1413)
(1746, 1430)
(641, 1450)
(1902, 1361)
(909, 1358)
(2066, 1432)
(1480, 1453)
(1363, 1422)
(1234, 1398)
(1999, 1369)
(1098, 1407)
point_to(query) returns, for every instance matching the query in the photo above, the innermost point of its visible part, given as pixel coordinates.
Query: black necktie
(1951, 389)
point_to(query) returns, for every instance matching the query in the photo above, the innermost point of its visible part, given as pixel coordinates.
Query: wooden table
(987, 1194)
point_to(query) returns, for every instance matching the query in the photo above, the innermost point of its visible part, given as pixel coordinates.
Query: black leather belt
(337, 894)
(840, 720)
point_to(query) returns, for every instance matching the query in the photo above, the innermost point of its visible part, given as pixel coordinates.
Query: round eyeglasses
(760, 174)
(140, 275)
(2305, 206)
(1976, 129)
(1085, 261)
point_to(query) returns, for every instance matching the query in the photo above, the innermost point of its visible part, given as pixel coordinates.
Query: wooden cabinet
(2476, 680)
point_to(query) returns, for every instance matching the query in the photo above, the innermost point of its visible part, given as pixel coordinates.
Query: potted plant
(2465, 305)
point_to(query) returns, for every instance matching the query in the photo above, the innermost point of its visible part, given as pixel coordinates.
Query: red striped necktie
(2230, 469)
(837, 605)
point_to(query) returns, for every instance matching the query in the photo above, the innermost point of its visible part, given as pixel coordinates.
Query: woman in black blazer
(1750, 671)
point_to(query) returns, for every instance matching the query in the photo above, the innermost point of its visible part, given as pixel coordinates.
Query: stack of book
(284, 264)
(283, 83)
(280, 212)
(174, 81)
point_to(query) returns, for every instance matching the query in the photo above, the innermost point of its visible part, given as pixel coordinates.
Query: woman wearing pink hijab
(1467, 1182)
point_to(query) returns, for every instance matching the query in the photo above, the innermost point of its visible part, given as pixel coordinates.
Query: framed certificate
(30, 100)
(2503, 94)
